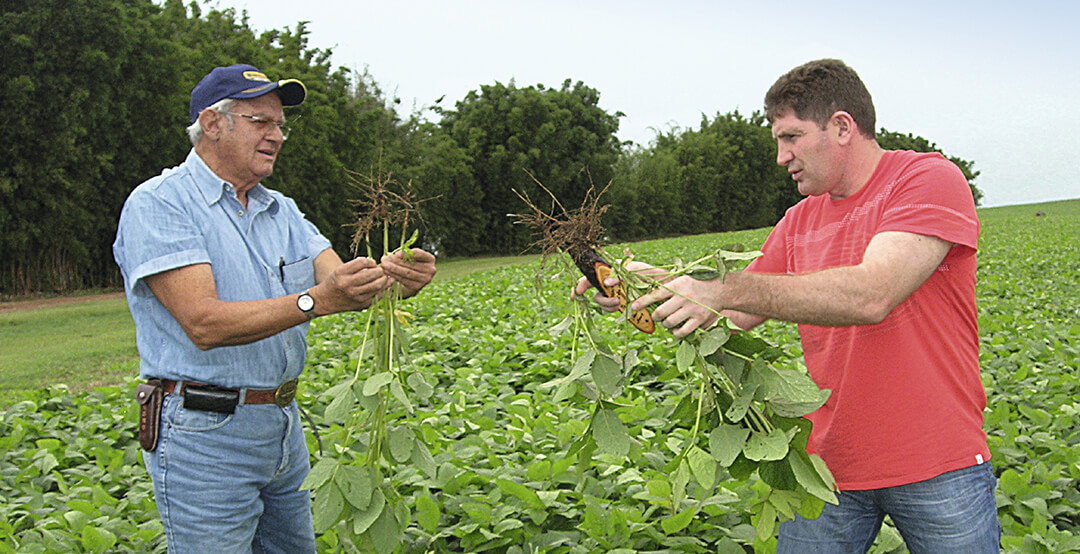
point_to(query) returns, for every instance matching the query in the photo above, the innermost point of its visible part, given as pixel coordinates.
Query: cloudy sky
(994, 82)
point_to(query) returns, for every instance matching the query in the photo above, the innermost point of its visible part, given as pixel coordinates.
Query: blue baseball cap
(241, 81)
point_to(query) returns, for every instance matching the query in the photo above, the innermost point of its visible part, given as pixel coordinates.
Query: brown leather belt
(282, 396)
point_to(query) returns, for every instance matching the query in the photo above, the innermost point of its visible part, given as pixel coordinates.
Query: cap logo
(257, 89)
(255, 76)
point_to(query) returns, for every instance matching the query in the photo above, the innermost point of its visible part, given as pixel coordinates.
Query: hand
(413, 274)
(609, 304)
(352, 285)
(686, 302)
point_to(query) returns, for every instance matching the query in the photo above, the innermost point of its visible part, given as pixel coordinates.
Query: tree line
(95, 95)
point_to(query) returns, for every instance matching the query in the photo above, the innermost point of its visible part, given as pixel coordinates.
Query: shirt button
(240, 213)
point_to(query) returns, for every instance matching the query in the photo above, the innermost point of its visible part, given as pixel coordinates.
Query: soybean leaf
(726, 442)
(337, 390)
(96, 539)
(823, 471)
(384, 532)
(766, 522)
(786, 408)
(427, 513)
(401, 443)
(376, 382)
(702, 273)
(678, 522)
(809, 478)
(356, 485)
(548, 497)
(407, 245)
(713, 340)
(703, 466)
(607, 374)
(521, 492)
(327, 507)
(399, 393)
(561, 326)
(778, 475)
(737, 255)
(321, 473)
(566, 390)
(659, 487)
(764, 447)
(741, 404)
(794, 385)
(811, 506)
(678, 485)
(420, 386)
(792, 393)
(343, 404)
(363, 520)
(785, 502)
(685, 355)
(581, 366)
(595, 521)
(610, 433)
(422, 459)
(746, 344)
(630, 360)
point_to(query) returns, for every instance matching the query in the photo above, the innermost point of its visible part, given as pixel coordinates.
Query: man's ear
(212, 123)
(845, 125)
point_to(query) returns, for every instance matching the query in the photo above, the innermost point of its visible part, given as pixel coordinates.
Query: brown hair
(816, 90)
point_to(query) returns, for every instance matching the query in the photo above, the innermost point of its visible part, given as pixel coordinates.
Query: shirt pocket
(298, 276)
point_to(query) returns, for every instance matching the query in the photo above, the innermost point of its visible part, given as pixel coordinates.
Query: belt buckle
(285, 393)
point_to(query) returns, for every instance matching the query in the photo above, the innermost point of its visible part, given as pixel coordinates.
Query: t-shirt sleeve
(933, 198)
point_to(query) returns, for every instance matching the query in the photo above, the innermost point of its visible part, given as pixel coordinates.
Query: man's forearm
(832, 297)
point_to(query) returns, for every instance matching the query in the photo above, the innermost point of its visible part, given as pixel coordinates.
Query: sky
(992, 82)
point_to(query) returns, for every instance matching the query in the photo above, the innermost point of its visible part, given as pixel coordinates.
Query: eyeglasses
(264, 123)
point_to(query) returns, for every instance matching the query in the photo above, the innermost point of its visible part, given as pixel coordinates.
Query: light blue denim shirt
(188, 215)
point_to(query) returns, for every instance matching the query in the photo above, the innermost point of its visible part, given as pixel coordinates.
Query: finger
(658, 295)
(412, 277)
(669, 315)
(607, 303)
(421, 263)
(689, 327)
(366, 281)
(356, 264)
(416, 256)
(423, 256)
(583, 285)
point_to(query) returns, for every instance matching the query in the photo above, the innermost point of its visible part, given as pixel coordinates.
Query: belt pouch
(211, 399)
(149, 395)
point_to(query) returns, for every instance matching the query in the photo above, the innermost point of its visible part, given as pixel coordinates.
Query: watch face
(305, 302)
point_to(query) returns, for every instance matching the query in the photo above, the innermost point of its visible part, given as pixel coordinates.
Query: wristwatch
(306, 304)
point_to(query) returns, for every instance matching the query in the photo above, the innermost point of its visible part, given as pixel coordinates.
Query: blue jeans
(953, 512)
(228, 483)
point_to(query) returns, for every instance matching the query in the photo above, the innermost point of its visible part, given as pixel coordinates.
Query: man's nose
(783, 156)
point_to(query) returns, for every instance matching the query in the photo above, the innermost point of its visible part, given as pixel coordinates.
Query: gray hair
(195, 130)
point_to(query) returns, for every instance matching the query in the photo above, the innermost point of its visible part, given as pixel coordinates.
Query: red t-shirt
(907, 399)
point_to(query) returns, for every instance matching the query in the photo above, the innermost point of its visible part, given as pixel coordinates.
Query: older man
(222, 277)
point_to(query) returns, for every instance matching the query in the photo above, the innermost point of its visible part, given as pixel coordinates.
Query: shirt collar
(213, 188)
